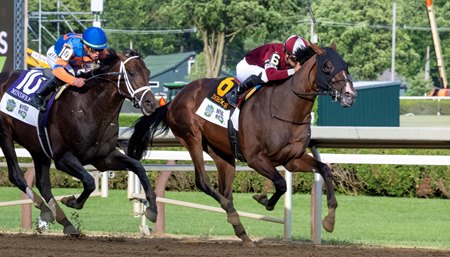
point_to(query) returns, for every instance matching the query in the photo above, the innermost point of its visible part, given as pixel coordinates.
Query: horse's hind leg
(309, 164)
(226, 170)
(42, 167)
(16, 177)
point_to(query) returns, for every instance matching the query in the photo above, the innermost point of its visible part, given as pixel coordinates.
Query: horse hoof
(151, 215)
(328, 223)
(247, 242)
(233, 218)
(71, 230)
(71, 202)
(262, 199)
(270, 208)
(68, 201)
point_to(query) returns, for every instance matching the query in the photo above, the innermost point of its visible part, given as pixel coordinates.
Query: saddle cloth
(15, 101)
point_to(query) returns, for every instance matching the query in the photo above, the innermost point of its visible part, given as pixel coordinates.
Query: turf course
(383, 221)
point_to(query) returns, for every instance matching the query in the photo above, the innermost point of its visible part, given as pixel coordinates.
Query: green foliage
(198, 70)
(391, 180)
(418, 86)
(349, 179)
(127, 119)
(424, 107)
(361, 29)
(386, 180)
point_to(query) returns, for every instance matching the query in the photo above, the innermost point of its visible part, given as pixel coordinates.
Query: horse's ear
(317, 49)
(333, 46)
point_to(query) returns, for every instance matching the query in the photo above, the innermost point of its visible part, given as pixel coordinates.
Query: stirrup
(233, 98)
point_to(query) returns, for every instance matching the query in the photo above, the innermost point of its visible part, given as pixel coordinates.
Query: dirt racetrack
(12, 245)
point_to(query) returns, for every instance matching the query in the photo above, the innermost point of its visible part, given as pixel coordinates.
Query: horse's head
(132, 81)
(332, 75)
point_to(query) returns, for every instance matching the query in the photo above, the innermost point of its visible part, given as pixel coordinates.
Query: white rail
(323, 137)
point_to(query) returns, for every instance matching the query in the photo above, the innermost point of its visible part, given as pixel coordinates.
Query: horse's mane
(303, 55)
(109, 61)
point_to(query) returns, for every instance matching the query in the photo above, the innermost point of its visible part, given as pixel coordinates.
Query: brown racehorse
(83, 129)
(274, 129)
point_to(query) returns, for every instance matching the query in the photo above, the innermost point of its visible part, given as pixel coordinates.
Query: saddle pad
(215, 107)
(15, 102)
(213, 112)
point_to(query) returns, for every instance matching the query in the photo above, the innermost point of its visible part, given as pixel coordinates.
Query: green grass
(364, 220)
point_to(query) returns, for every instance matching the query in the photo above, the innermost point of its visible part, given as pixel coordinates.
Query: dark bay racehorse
(83, 129)
(274, 129)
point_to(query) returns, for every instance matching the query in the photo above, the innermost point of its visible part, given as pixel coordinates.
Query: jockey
(71, 55)
(269, 62)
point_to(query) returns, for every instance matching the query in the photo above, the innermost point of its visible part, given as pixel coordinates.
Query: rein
(103, 74)
(273, 115)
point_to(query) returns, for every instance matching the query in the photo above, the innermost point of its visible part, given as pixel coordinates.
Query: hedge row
(374, 180)
(424, 107)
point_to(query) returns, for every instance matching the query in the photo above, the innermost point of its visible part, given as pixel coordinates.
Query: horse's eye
(131, 73)
(328, 67)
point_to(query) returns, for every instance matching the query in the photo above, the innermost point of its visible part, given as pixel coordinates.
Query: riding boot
(236, 93)
(39, 98)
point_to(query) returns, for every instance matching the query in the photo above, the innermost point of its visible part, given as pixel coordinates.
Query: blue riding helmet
(95, 38)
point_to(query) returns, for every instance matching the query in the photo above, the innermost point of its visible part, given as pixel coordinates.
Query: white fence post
(316, 203)
(288, 206)
(104, 187)
(137, 190)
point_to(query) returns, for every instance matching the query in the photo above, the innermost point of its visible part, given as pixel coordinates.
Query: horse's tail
(145, 129)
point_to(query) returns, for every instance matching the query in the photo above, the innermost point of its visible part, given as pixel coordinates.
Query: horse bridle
(136, 102)
(323, 81)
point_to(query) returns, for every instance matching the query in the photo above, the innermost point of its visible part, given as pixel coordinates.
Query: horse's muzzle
(348, 98)
(148, 103)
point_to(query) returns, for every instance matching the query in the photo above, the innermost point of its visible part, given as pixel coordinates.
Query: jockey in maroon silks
(269, 62)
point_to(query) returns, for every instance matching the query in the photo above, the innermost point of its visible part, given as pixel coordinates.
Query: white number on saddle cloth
(31, 82)
(66, 53)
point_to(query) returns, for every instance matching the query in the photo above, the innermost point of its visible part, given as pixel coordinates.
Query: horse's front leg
(307, 163)
(119, 161)
(265, 167)
(72, 166)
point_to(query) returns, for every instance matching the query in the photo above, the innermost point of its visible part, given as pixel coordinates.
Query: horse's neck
(285, 102)
(107, 96)
(102, 98)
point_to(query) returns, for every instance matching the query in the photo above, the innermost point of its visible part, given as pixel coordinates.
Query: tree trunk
(213, 46)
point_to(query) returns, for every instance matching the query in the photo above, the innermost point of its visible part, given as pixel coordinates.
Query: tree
(144, 29)
(219, 22)
(362, 31)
